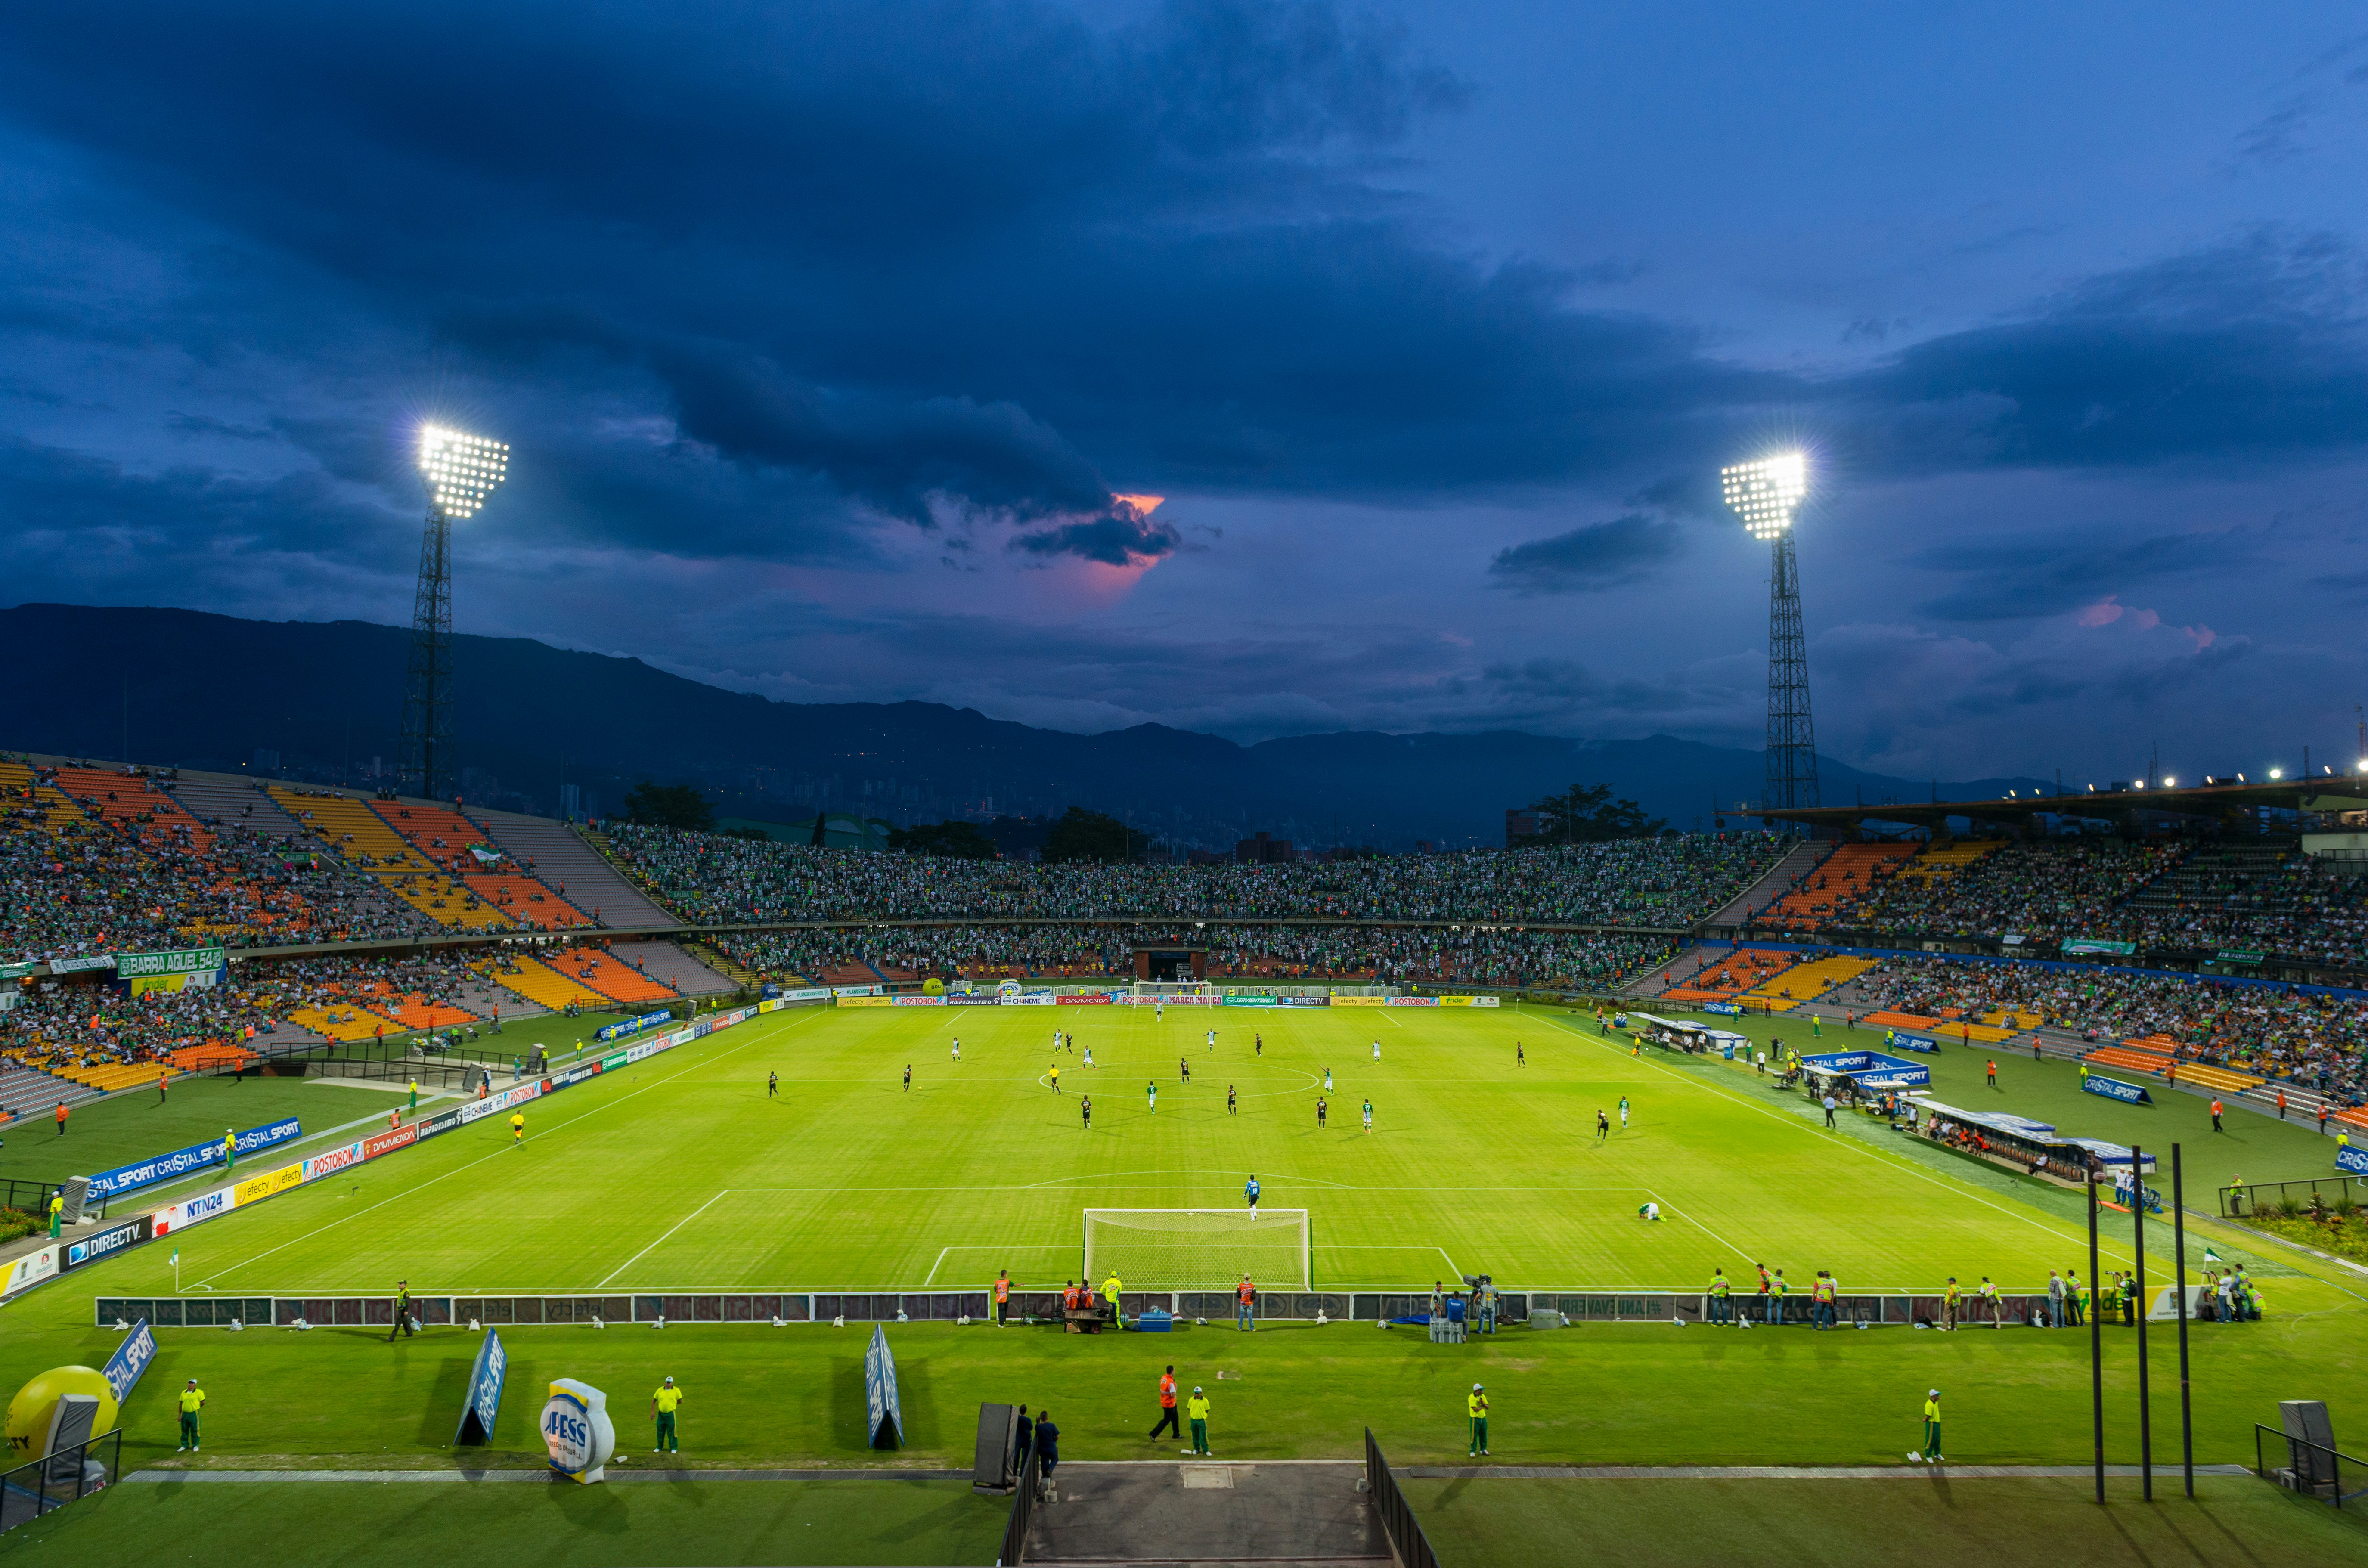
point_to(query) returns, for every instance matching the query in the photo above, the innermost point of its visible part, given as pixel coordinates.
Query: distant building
(1265, 849)
(1520, 822)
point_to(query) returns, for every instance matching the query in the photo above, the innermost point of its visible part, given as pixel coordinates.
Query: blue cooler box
(1154, 1320)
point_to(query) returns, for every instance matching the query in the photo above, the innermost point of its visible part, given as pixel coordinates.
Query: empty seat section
(1849, 874)
(351, 829)
(703, 973)
(1733, 974)
(1807, 981)
(537, 982)
(590, 968)
(526, 901)
(148, 815)
(572, 868)
(344, 1022)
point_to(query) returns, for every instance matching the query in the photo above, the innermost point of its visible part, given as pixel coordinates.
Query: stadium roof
(2224, 802)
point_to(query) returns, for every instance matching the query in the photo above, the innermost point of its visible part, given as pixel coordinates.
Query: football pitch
(683, 1173)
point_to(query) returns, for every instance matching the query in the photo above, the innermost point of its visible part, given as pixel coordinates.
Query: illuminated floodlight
(2170, 783)
(2275, 773)
(461, 469)
(2139, 784)
(1765, 493)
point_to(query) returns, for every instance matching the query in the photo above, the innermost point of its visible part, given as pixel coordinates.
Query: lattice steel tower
(461, 471)
(1766, 495)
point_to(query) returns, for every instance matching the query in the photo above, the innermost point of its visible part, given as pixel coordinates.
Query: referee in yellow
(663, 1404)
(1197, 1409)
(517, 1128)
(193, 1399)
(1930, 1453)
(1475, 1403)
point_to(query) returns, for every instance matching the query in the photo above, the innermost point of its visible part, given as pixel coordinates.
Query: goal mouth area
(1198, 1249)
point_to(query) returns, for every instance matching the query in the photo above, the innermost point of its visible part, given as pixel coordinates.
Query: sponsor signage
(1871, 1069)
(1487, 1001)
(1029, 999)
(82, 966)
(1303, 1000)
(576, 1432)
(1411, 1001)
(388, 1143)
(2115, 1089)
(1923, 1042)
(268, 1185)
(1359, 1001)
(517, 1095)
(189, 961)
(2353, 1158)
(2098, 945)
(574, 1075)
(333, 1160)
(181, 1161)
(630, 1026)
(189, 1210)
(811, 994)
(2230, 955)
(33, 1269)
(104, 1242)
(933, 1001)
(974, 999)
(14, 970)
(130, 1358)
(1725, 1009)
(880, 1403)
(845, 1000)
(484, 1392)
(1232, 1000)
(855, 991)
(1083, 998)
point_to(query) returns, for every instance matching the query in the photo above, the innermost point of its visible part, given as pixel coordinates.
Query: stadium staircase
(572, 866)
(595, 971)
(689, 969)
(224, 803)
(1777, 881)
(527, 901)
(1678, 971)
(29, 1091)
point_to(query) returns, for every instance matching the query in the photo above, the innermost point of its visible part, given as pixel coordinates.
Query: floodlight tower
(460, 472)
(1766, 495)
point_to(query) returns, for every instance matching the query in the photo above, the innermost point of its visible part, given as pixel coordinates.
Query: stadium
(856, 986)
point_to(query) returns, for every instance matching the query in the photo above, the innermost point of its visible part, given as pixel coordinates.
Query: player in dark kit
(772, 1085)
(1229, 1099)
(1086, 1110)
(1319, 1110)
(1519, 1058)
(1257, 1045)
(908, 1075)
(1184, 1069)
(1602, 1127)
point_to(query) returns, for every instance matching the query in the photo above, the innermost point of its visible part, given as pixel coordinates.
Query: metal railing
(33, 1489)
(33, 1198)
(2271, 1196)
(1412, 1546)
(2312, 1469)
(1023, 1508)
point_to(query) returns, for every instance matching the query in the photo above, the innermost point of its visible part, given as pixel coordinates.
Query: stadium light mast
(1767, 494)
(461, 471)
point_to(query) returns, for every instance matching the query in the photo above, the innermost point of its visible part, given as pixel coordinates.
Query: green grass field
(681, 1173)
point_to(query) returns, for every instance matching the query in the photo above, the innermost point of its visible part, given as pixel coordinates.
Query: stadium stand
(1664, 883)
(1946, 858)
(573, 868)
(2047, 890)
(1808, 981)
(1793, 868)
(543, 985)
(1730, 975)
(595, 971)
(1847, 876)
(351, 829)
(526, 901)
(144, 813)
(693, 969)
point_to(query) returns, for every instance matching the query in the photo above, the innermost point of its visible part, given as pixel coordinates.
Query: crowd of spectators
(66, 1026)
(1371, 954)
(73, 883)
(2314, 1038)
(1673, 881)
(2047, 889)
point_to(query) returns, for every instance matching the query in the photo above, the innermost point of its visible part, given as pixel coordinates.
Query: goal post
(1198, 1249)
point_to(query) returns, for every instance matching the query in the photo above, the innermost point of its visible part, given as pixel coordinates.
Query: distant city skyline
(1251, 368)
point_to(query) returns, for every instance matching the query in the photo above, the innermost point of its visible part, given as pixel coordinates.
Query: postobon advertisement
(575, 1429)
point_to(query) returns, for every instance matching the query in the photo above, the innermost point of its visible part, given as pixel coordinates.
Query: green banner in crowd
(2231, 956)
(193, 961)
(2099, 945)
(14, 970)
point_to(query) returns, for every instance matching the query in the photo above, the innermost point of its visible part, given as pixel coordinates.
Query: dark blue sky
(824, 336)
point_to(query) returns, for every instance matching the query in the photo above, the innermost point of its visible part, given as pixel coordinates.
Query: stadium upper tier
(96, 862)
(1650, 882)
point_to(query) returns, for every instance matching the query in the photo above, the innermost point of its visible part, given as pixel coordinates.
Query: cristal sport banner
(40, 1267)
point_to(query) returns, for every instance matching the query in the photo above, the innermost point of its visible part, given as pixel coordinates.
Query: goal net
(1198, 1249)
(1171, 990)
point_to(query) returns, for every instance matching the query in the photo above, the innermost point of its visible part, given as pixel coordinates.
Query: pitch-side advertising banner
(130, 1358)
(181, 1162)
(2115, 1089)
(1359, 1001)
(33, 1269)
(1411, 1001)
(847, 1001)
(1083, 998)
(104, 1242)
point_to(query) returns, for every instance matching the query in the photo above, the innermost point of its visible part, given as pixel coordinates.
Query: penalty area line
(671, 1230)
